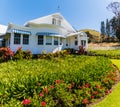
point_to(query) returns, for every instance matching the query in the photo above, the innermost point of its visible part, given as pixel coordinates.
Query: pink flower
(85, 101)
(26, 102)
(43, 103)
(95, 92)
(52, 86)
(41, 94)
(110, 90)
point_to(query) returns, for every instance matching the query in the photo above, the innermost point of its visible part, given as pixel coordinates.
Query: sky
(81, 14)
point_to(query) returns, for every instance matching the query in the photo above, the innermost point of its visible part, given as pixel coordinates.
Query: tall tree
(115, 8)
(107, 27)
(102, 28)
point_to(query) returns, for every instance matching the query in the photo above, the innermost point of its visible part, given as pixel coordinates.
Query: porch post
(79, 42)
(21, 39)
(52, 40)
(86, 42)
(44, 40)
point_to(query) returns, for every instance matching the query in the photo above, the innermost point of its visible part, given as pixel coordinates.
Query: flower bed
(71, 81)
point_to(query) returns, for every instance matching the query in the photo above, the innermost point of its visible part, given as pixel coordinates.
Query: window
(55, 40)
(25, 39)
(54, 21)
(48, 40)
(76, 42)
(40, 39)
(17, 38)
(59, 22)
(83, 42)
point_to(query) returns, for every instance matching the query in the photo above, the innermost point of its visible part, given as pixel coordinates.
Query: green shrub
(20, 54)
(27, 54)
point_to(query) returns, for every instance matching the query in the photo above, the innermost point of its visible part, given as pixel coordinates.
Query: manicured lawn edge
(112, 100)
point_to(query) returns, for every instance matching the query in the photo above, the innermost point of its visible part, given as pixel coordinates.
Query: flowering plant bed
(72, 81)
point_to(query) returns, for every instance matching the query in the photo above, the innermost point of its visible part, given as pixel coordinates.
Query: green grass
(116, 62)
(112, 100)
(112, 54)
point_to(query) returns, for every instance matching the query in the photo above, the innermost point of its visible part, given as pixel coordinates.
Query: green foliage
(58, 54)
(113, 54)
(20, 54)
(27, 54)
(69, 81)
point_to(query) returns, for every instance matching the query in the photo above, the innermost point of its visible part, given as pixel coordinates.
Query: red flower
(97, 86)
(95, 92)
(58, 81)
(87, 85)
(52, 86)
(45, 90)
(26, 102)
(85, 101)
(41, 94)
(92, 97)
(43, 103)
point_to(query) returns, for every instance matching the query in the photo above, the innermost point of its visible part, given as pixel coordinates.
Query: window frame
(56, 41)
(17, 38)
(48, 41)
(54, 21)
(25, 39)
(40, 39)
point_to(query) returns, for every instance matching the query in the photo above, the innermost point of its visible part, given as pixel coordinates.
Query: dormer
(56, 20)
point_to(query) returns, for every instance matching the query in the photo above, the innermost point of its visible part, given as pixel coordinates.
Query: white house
(50, 33)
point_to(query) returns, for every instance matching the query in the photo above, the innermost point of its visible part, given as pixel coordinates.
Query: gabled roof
(3, 29)
(48, 20)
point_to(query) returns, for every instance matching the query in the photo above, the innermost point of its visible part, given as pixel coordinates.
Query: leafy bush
(58, 54)
(6, 54)
(71, 81)
(27, 54)
(20, 54)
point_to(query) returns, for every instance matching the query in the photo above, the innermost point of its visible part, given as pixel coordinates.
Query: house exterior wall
(33, 42)
(64, 31)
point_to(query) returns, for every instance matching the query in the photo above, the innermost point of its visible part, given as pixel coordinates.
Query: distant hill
(94, 36)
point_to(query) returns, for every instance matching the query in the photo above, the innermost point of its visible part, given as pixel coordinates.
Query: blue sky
(81, 14)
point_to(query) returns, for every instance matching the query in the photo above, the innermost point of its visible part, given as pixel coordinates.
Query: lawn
(69, 81)
(112, 54)
(112, 100)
